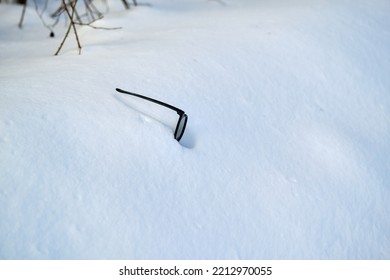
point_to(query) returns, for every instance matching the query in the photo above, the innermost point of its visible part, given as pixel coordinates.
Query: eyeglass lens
(181, 126)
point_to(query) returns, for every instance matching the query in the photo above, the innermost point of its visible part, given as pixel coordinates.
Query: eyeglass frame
(180, 112)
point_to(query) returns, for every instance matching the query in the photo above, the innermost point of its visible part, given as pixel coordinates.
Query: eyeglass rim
(178, 137)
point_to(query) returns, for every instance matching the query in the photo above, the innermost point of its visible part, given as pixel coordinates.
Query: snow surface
(285, 156)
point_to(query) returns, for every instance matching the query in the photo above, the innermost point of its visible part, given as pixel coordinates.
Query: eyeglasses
(182, 121)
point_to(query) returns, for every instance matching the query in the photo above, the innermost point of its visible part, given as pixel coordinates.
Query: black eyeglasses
(182, 121)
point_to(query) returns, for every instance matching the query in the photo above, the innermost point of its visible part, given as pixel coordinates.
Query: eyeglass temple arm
(178, 111)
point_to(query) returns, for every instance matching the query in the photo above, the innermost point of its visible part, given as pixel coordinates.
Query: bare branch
(89, 24)
(126, 4)
(71, 24)
(22, 16)
(63, 40)
(40, 15)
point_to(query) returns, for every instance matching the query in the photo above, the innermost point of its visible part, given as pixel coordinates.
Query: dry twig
(71, 25)
(23, 13)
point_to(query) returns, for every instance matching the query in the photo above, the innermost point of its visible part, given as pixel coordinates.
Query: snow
(285, 155)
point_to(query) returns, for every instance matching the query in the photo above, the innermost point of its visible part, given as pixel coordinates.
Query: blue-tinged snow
(285, 156)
